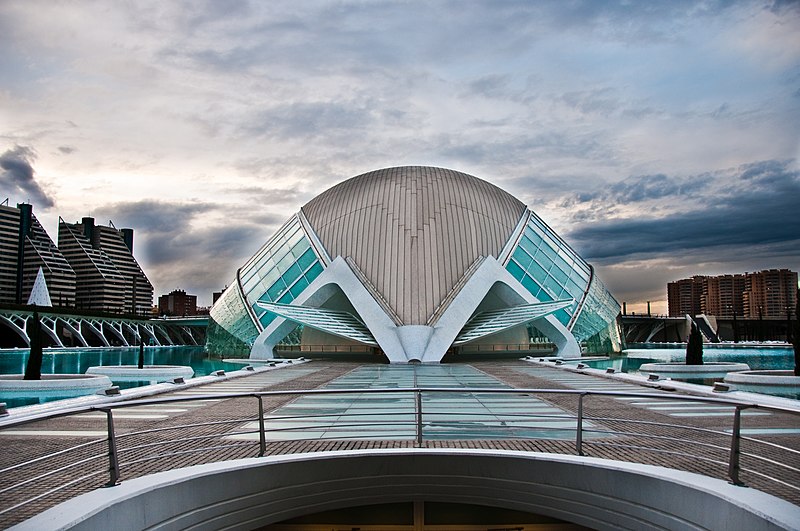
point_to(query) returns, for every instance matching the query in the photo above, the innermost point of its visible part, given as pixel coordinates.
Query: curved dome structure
(413, 263)
(414, 231)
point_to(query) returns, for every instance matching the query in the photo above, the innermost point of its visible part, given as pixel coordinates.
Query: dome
(414, 231)
(412, 263)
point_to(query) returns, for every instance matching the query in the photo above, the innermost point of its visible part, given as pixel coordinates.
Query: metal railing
(253, 432)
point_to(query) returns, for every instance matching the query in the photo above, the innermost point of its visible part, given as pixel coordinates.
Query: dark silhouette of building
(177, 302)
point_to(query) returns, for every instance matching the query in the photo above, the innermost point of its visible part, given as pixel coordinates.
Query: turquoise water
(758, 358)
(76, 361)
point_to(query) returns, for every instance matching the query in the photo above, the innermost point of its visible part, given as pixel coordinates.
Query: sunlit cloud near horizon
(659, 139)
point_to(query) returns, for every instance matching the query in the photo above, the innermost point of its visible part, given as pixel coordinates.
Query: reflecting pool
(76, 361)
(757, 357)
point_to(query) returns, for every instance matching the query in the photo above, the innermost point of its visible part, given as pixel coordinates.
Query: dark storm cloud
(757, 209)
(184, 245)
(18, 176)
(642, 188)
(152, 216)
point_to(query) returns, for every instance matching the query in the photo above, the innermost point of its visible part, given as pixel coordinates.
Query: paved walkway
(142, 454)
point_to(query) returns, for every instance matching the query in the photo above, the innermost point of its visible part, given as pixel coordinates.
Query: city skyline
(661, 140)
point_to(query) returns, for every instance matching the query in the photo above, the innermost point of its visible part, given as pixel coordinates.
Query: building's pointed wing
(338, 323)
(491, 322)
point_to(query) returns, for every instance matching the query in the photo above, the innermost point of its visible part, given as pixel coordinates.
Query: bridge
(646, 328)
(66, 328)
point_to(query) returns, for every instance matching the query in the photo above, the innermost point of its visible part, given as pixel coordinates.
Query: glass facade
(278, 272)
(550, 270)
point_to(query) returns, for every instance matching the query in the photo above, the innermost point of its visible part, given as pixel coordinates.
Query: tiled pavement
(141, 454)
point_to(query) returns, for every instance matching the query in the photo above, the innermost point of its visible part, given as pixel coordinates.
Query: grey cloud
(727, 221)
(152, 216)
(176, 247)
(491, 86)
(18, 175)
(67, 150)
(302, 120)
(599, 101)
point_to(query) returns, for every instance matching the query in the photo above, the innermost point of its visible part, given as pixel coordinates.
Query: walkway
(609, 413)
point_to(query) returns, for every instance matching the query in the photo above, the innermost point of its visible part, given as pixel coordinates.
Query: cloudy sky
(661, 139)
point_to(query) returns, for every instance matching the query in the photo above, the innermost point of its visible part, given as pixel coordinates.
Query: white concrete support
(489, 274)
(338, 274)
(75, 329)
(116, 329)
(253, 493)
(20, 330)
(98, 331)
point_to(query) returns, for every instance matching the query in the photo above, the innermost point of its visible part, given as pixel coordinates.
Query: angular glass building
(412, 264)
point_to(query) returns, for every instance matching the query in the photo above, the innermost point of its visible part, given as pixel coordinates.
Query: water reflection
(76, 361)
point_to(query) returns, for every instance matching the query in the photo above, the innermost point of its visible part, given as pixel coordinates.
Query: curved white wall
(249, 493)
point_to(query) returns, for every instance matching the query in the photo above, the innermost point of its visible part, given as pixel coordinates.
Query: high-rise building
(108, 276)
(768, 293)
(723, 295)
(684, 297)
(24, 248)
(177, 302)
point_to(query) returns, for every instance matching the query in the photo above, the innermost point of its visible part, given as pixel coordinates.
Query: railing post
(418, 411)
(579, 428)
(113, 458)
(733, 460)
(262, 436)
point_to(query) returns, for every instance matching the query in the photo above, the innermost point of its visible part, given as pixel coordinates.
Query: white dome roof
(413, 231)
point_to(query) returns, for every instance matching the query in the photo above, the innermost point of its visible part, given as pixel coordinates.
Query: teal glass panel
(533, 236)
(270, 278)
(276, 289)
(559, 275)
(298, 287)
(286, 298)
(552, 286)
(516, 271)
(285, 263)
(522, 258)
(300, 248)
(562, 316)
(266, 319)
(531, 285)
(543, 260)
(306, 259)
(314, 271)
(292, 274)
(543, 296)
(536, 271)
(549, 251)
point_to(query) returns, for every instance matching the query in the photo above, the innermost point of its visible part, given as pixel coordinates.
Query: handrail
(416, 423)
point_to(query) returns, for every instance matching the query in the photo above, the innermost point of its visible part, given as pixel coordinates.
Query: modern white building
(413, 264)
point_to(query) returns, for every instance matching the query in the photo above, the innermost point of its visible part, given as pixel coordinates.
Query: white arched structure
(252, 493)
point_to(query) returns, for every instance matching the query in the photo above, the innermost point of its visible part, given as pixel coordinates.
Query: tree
(694, 347)
(796, 335)
(33, 369)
